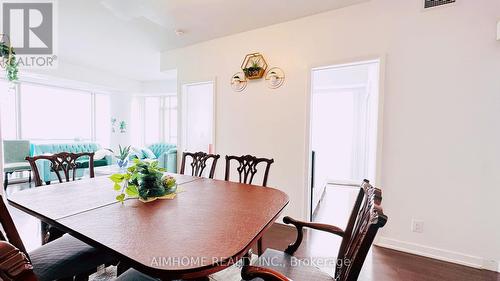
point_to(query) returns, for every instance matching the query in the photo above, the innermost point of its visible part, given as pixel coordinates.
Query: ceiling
(125, 37)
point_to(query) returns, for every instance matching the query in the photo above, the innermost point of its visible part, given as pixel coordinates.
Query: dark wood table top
(208, 226)
(72, 197)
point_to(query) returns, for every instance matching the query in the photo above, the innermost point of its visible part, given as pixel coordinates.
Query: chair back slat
(199, 163)
(355, 245)
(64, 162)
(247, 168)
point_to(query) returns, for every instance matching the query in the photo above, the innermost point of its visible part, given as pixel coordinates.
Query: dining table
(209, 225)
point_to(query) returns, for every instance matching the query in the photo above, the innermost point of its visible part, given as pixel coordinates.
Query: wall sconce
(275, 78)
(239, 82)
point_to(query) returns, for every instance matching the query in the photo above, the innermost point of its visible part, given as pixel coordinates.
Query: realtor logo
(29, 27)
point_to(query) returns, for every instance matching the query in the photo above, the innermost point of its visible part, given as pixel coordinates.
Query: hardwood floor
(381, 264)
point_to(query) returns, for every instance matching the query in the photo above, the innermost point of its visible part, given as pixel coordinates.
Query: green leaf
(132, 190)
(117, 187)
(120, 198)
(116, 178)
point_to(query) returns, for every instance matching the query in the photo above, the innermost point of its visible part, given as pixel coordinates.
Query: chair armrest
(251, 272)
(14, 265)
(301, 224)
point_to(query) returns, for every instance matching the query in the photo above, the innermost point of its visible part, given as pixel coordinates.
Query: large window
(55, 113)
(40, 112)
(154, 119)
(8, 110)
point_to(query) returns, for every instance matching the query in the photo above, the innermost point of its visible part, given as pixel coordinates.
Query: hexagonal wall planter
(254, 66)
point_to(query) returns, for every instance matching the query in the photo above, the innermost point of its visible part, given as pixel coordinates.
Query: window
(103, 119)
(55, 113)
(154, 119)
(40, 112)
(8, 110)
(170, 119)
(152, 107)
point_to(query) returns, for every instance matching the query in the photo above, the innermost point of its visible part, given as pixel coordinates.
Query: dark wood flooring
(382, 264)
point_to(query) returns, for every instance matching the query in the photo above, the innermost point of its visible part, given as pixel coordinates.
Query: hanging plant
(8, 61)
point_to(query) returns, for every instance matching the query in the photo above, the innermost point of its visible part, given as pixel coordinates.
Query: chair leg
(260, 248)
(121, 268)
(6, 181)
(29, 178)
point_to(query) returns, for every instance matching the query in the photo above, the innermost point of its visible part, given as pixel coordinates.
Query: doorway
(344, 129)
(198, 128)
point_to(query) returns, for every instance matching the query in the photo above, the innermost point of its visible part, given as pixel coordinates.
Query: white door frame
(308, 132)
(184, 110)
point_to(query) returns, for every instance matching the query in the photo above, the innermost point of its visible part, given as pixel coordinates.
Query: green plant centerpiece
(8, 60)
(144, 180)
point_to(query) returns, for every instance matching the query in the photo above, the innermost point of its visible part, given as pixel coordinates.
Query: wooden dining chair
(247, 168)
(199, 163)
(64, 163)
(66, 258)
(366, 219)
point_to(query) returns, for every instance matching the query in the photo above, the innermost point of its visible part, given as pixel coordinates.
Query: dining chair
(14, 154)
(64, 163)
(66, 258)
(247, 168)
(199, 163)
(366, 219)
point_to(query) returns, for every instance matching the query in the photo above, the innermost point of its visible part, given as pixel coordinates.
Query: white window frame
(164, 136)
(18, 101)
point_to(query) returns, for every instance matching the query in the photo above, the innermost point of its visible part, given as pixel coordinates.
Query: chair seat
(134, 275)
(282, 262)
(66, 257)
(16, 166)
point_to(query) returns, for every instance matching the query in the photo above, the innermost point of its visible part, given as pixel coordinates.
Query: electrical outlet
(417, 226)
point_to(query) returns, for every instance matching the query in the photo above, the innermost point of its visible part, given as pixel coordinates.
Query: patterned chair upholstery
(15, 152)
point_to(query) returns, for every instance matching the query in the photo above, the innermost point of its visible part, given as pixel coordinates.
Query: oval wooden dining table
(210, 225)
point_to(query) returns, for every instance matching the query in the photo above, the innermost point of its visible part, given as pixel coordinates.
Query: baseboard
(439, 254)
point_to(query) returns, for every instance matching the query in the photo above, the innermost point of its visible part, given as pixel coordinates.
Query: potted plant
(254, 70)
(145, 180)
(122, 156)
(8, 61)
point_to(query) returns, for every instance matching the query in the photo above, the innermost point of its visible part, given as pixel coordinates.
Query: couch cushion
(76, 147)
(147, 153)
(160, 148)
(66, 257)
(97, 163)
(282, 262)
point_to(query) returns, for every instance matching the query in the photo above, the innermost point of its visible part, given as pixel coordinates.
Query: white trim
(438, 254)
(184, 106)
(369, 59)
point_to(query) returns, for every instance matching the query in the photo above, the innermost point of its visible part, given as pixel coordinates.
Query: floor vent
(435, 3)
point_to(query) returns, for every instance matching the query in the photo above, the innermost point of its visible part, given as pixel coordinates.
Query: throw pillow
(147, 153)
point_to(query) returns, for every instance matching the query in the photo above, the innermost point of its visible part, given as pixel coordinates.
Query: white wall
(441, 147)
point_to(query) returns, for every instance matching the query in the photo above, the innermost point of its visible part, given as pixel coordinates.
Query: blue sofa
(77, 147)
(165, 153)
